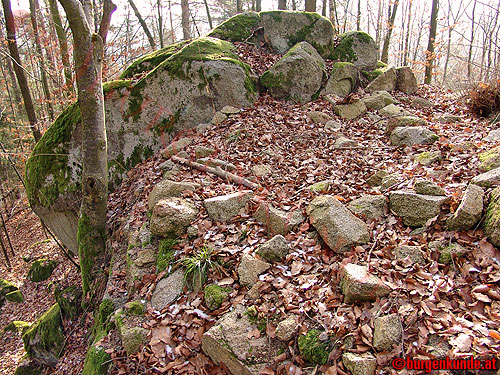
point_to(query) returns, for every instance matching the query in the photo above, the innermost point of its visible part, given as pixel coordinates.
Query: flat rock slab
(487, 179)
(428, 188)
(225, 207)
(415, 209)
(387, 332)
(384, 82)
(360, 364)
(357, 284)
(228, 342)
(469, 211)
(414, 253)
(412, 135)
(167, 290)
(338, 227)
(274, 250)
(378, 100)
(168, 189)
(350, 111)
(369, 206)
(399, 121)
(393, 110)
(277, 221)
(250, 268)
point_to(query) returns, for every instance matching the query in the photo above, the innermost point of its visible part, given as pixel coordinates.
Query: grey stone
(172, 216)
(319, 117)
(338, 227)
(225, 165)
(378, 100)
(421, 102)
(390, 181)
(342, 81)
(394, 122)
(428, 188)
(168, 166)
(320, 186)
(492, 219)
(428, 157)
(493, 136)
(277, 221)
(350, 111)
(176, 146)
(376, 178)
(225, 207)
(487, 179)
(287, 328)
(358, 48)
(384, 82)
(297, 75)
(357, 284)
(360, 364)
(229, 110)
(167, 290)
(261, 170)
(406, 80)
(343, 142)
(250, 268)
(469, 211)
(145, 257)
(218, 117)
(369, 206)
(490, 159)
(333, 125)
(387, 332)
(169, 189)
(448, 251)
(203, 151)
(412, 135)
(415, 209)
(414, 253)
(202, 128)
(393, 110)
(133, 339)
(274, 250)
(448, 118)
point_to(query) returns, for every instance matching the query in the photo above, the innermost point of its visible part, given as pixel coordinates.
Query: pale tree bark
(258, 5)
(239, 6)
(210, 17)
(144, 25)
(160, 23)
(310, 5)
(294, 5)
(407, 34)
(88, 55)
(472, 34)
(186, 28)
(432, 40)
(18, 69)
(390, 26)
(358, 17)
(282, 4)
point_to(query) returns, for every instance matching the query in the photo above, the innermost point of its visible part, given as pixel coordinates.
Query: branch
(108, 8)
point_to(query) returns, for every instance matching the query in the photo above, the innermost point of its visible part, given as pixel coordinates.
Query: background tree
(432, 40)
(310, 6)
(186, 28)
(282, 4)
(144, 25)
(390, 26)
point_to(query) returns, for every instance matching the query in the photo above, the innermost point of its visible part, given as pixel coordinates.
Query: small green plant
(313, 349)
(196, 267)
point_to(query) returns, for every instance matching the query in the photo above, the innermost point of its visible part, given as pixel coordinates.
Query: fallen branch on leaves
(216, 171)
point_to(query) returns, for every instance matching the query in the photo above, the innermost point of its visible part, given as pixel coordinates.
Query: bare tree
(210, 17)
(144, 25)
(160, 22)
(469, 58)
(358, 17)
(310, 5)
(258, 5)
(186, 28)
(239, 6)
(432, 39)
(282, 4)
(390, 26)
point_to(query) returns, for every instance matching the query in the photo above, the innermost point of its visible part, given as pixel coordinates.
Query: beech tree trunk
(310, 5)
(258, 5)
(210, 17)
(186, 28)
(239, 6)
(144, 26)
(18, 69)
(430, 45)
(390, 26)
(282, 4)
(91, 237)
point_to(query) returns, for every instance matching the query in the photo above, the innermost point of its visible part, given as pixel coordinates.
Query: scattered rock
(376, 178)
(412, 135)
(343, 79)
(225, 207)
(202, 151)
(274, 250)
(421, 102)
(214, 296)
(134, 308)
(168, 189)
(254, 292)
(493, 136)
(358, 48)
(250, 268)
(133, 339)
(428, 157)
(492, 219)
(439, 346)
(428, 188)
(350, 111)
(378, 100)
(487, 179)
(448, 118)
(333, 125)
(261, 170)
(319, 117)
(229, 110)
(69, 300)
(167, 290)
(41, 269)
(384, 82)
(277, 221)
(172, 216)
(218, 118)
(390, 181)
(393, 110)
(357, 284)
(338, 227)
(286, 329)
(415, 209)
(469, 211)
(225, 165)
(320, 186)
(405, 80)
(448, 251)
(202, 128)
(414, 253)
(343, 142)
(176, 146)
(387, 332)
(490, 159)
(360, 364)
(369, 206)
(398, 121)
(145, 257)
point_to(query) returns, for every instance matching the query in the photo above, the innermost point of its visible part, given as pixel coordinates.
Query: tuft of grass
(197, 266)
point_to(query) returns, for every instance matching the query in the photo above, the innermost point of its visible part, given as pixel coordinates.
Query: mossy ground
(135, 308)
(312, 349)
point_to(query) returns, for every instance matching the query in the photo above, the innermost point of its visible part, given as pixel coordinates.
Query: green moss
(214, 296)
(97, 361)
(447, 253)
(152, 60)
(15, 296)
(101, 325)
(254, 318)
(381, 64)
(41, 269)
(47, 171)
(238, 28)
(165, 255)
(46, 333)
(490, 159)
(492, 218)
(135, 308)
(28, 368)
(17, 326)
(343, 51)
(70, 301)
(270, 80)
(312, 349)
(372, 74)
(6, 287)
(109, 86)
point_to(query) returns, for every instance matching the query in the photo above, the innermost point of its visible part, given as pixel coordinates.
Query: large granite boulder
(415, 209)
(297, 75)
(168, 189)
(225, 207)
(406, 80)
(384, 82)
(357, 47)
(378, 100)
(343, 79)
(141, 119)
(487, 179)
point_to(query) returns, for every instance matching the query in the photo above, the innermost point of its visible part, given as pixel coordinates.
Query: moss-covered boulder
(18, 326)
(44, 340)
(297, 75)
(490, 159)
(15, 296)
(343, 79)
(492, 219)
(183, 90)
(28, 367)
(359, 48)
(386, 81)
(41, 269)
(70, 301)
(6, 287)
(238, 28)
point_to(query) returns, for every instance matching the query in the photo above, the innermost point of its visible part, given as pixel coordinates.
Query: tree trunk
(160, 23)
(144, 25)
(294, 4)
(171, 21)
(469, 58)
(258, 5)
(358, 17)
(432, 39)
(407, 36)
(21, 77)
(310, 5)
(210, 17)
(390, 26)
(186, 29)
(91, 237)
(282, 4)
(239, 6)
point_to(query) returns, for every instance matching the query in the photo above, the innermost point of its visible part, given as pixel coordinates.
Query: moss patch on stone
(15, 296)
(344, 51)
(238, 28)
(6, 287)
(312, 349)
(490, 159)
(165, 255)
(41, 269)
(492, 218)
(372, 74)
(97, 361)
(17, 326)
(134, 308)
(109, 86)
(214, 296)
(70, 301)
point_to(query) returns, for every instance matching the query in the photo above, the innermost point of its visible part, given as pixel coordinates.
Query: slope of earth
(458, 303)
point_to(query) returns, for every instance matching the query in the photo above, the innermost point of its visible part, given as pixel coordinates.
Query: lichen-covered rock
(384, 82)
(277, 221)
(448, 118)
(469, 211)
(133, 339)
(390, 181)
(41, 269)
(357, 284)
(172, 216)
(387, 332)
(134, 308)
(428, 157)
(203, 151)
(412, 135)
(287, 328)
(17, 326)
(421, 102)
(406, 80)
(360, 364)
(428, 188)
(319, 117)
(238, 28)
(141, 119)
(414, 253)
(448, 251)
(28, 367)
(393, 110)
(228, 342)
(378, 100)
(297, 75)
(250, 268)
(487, 179)
(343, 79)
(261, 170)
(358, 48)
(376, 178)
(69, 300)
(350, 111)
(274, 250)
(490, 159)
(492, 219)
(44, 340)
(493, 136)
(344, 142)
(394, 122)
(167, 290)
(320, 186)
(214, 296)
(338, 227)
(369, 206)
(225, 207)
(415, 209)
